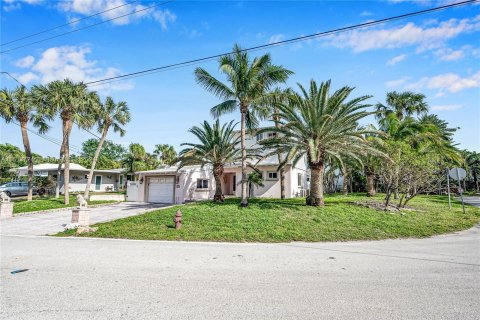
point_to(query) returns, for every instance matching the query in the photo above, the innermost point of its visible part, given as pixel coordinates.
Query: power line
(278, 43)
(67, 24)
(87, 27)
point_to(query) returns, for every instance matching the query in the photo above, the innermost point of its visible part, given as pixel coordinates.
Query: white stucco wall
(78, 182)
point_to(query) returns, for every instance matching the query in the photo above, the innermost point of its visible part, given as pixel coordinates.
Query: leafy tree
(248, 83)
(318, 124)
(472, 159)
(166, 154)
(218, 145)
(75, 104)
(109, 115)
(110, 156)
(17, 105)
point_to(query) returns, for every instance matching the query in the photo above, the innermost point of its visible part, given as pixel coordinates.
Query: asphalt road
(80, 278)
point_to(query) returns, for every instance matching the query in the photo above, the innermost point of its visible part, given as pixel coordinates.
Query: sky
(436, 54)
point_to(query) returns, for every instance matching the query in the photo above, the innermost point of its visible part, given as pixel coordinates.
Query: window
(272, 175)
(202, 184)
(259, 136)
(234, 182)
(299, 179)
(86, 176)
(272, 135)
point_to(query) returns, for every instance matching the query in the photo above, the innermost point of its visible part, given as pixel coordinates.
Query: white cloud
(448, 54)
(71, 62)
(89, 7)
(24, 62)
(449, 107)
(397, 82)
(424, 37)
(276, 38)
(10, 5)
(450, 82)
(396, 60)
(27, 77)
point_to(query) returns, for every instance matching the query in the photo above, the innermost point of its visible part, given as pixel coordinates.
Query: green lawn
(272, 220)
(46, 203)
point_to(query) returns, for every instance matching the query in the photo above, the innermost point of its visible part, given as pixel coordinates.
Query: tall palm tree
(218, 146)
(75, 104)
(109, 114)
(249, 82)
(136, 158)
(166, 153)
(401, 104)
(17, 105)
(317, 124)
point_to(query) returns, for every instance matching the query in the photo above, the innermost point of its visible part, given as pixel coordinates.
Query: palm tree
(320, 125)
(109, 114)
(17, 105)
(218, 146)
(255, 179)
(75, 104)
(249, 82)
(401, 104)
(166, 153)
(135, 158)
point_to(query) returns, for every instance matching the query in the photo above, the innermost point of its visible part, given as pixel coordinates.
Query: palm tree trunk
(244, 200)
(345, 182)
(370, 184)
(66, 170)
(61, 160)
(94, 162)
(218, 176)
(316, 185)
(28, 154)
(280, 160)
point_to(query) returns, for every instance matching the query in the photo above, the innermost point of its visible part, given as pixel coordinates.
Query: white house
(173, 185)
(103, 180)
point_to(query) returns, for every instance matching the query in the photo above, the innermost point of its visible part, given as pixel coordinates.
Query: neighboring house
(173, 185)
(103, 180)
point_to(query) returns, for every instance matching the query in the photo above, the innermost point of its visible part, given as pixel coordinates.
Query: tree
(317, 124)
(109, 115)
(401, 104)
(110, 156)
(137, 159)
(218, 146)
(75, 104)
(249, 82)
(17, 105)
(255, 179)
(472, 159)
(166, 153)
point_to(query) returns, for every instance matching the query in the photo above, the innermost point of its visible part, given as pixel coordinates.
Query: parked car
(19, 189)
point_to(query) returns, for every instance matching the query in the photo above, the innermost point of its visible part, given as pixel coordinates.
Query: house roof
(47, 167)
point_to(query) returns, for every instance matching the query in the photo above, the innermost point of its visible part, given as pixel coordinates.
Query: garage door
(161, 189)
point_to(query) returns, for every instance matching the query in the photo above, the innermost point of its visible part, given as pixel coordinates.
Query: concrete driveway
(53, 222)
(81, 278)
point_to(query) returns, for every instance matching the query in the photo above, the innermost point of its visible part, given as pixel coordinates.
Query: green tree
(166, 153)
(317, 124)
(135, 158)
(255, 179)
(218, 145)
(109, 115)
(17, 105)
(110, 156)
(75, 104)
(248, 83)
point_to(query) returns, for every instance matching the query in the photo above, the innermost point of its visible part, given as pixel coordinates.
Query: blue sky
(437, 54)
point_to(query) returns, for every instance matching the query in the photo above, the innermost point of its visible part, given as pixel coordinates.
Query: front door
(98, 183)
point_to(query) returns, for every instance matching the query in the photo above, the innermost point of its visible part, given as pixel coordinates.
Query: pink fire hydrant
(178, 219)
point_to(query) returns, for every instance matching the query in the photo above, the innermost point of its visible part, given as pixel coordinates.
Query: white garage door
(161, 189)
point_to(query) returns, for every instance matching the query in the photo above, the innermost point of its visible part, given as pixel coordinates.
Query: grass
(46, 203)
(273, 220)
